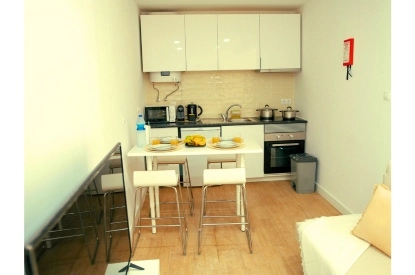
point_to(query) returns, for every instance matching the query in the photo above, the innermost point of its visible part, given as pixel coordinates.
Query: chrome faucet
(225, 116)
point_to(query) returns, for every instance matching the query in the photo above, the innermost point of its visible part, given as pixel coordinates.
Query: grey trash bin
(303, 172)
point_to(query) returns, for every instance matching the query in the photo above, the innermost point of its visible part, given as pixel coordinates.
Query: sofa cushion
(375, 223)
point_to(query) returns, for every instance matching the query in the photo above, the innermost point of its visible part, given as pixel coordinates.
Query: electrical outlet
(286, 101)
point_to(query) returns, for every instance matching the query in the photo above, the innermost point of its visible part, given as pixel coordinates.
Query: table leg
(156, 191)
(240, 163)
(151, 195)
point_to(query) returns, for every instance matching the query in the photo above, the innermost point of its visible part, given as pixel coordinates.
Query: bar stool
(160, 178)
(111, 184)
(92, 188)
(220, 159)
(232, 176)
(78, 221)
(182, 161)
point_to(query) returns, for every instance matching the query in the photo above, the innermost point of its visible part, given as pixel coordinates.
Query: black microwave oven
(159, 113)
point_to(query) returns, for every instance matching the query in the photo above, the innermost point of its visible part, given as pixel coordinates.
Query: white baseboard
(271, 177)
(332, 200)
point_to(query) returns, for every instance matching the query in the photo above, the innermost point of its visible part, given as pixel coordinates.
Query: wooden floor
(274, 208)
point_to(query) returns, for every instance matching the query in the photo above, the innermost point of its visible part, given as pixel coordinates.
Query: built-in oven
(281, 141)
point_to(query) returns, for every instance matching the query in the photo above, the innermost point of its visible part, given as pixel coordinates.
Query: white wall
(83, 85)
(349, 128)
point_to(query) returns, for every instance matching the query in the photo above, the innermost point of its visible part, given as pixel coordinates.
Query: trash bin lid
(304, 157)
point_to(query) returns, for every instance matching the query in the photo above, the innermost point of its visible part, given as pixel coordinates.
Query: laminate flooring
(274, 208)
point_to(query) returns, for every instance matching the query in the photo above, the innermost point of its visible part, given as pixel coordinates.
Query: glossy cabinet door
(238, 41)
(163, 43)
(280, 36)
(254, 163)
(201, 42)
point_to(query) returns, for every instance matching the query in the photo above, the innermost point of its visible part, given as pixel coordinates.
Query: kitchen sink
(243, 119)
(231, 120)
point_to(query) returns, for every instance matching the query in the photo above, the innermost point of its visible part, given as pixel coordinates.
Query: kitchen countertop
(209, 122)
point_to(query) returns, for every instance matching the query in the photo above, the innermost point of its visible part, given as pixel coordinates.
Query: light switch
(387, 95)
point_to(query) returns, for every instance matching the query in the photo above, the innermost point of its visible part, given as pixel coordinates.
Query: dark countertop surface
(210, 122)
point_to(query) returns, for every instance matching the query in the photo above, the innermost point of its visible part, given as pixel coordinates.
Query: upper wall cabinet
(201, 42)
(280, 36)
(163, 43)
(238, 42)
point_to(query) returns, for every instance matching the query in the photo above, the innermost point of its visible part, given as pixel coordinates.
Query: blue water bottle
(141, 131)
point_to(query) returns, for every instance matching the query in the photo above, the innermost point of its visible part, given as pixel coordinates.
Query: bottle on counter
(141, 131)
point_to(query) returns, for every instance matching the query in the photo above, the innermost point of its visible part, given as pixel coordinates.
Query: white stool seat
(232, 176)
(171, 159)
(112, 182)
(155, 178)
(220, 159)
(115, 162)
(224, 176)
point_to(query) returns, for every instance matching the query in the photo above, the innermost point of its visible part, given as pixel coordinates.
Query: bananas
(195, 140)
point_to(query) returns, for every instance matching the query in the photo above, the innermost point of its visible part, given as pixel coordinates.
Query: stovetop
(282, 120)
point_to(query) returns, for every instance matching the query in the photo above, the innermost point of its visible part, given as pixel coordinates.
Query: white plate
(226, 139)
(167, 140)
(160, 147)
(226, 144)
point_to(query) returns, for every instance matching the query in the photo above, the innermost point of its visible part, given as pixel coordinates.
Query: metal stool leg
(159, 178)
(235, 177)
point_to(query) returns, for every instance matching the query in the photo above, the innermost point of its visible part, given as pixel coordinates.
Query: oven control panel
(284, 128)
(284, 136)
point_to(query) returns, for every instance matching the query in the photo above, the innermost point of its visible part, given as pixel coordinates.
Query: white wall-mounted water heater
(166, 76)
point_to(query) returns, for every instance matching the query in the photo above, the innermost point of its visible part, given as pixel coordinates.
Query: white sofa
(328, 246)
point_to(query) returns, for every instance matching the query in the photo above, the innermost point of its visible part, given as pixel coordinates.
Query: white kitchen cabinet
(163, 43)
(280, 40)
(201, 42)
(238, 42)
(254, 163)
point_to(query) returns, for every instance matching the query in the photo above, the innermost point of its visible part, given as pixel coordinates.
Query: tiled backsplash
(215, 91)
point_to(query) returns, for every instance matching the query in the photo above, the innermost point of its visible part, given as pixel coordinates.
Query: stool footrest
(237, 178)
(230, 223)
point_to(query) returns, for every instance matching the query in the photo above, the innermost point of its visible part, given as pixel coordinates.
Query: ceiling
(219, 5)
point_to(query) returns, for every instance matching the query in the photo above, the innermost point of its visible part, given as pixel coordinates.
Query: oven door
(277, 155)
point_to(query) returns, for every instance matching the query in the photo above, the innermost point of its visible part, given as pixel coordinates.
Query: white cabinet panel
(198, 163)
(166, 132)
(280, 40)
(201, 42)
(254, 163)
(163, 43)
(238, 41)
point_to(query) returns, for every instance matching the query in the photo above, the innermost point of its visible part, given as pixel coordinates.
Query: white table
(251, 147)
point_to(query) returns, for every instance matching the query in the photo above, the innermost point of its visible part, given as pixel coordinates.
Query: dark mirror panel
(75, 241)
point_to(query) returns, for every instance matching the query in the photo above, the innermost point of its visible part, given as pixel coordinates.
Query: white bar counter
(249, 147)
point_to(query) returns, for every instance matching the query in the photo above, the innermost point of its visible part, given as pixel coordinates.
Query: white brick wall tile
(215, 91)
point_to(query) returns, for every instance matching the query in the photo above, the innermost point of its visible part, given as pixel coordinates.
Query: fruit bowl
(195, 141)
(188, 145)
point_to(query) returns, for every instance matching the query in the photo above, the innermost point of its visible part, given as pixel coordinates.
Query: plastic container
(303, 173)
(141, 131)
